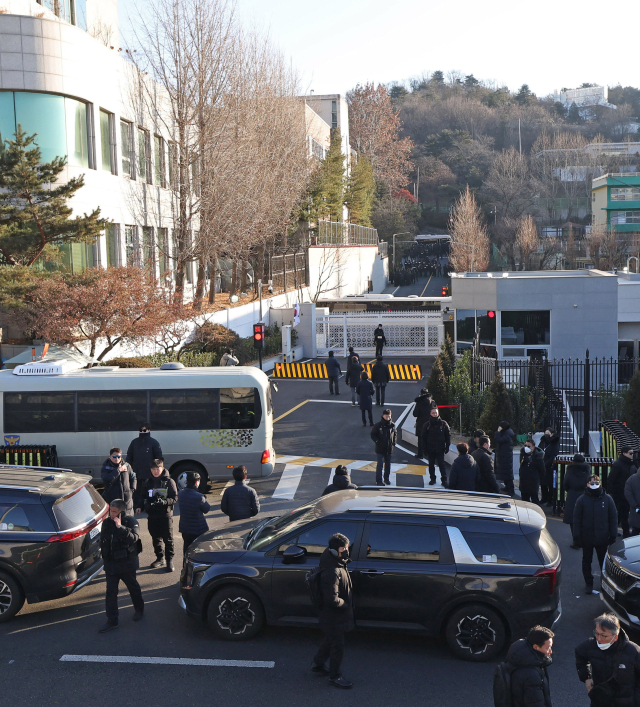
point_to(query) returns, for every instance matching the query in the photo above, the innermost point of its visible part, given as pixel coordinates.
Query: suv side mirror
(293, 554)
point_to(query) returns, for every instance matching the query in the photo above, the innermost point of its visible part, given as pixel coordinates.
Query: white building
(585, 99)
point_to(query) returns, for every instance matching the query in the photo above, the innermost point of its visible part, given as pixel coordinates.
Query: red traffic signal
(491, 314)
(445, 291)
(258, 336)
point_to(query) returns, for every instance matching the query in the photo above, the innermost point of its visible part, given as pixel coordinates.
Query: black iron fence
(575, 395)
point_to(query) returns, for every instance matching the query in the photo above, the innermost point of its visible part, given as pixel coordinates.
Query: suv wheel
(475, 632)
(235, 614)
(11, 597)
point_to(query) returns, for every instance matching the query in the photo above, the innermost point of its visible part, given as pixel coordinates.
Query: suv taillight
(66, 537)
(266, 456)
(551, 573)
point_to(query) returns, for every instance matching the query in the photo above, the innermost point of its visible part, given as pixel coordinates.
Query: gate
(407, 333)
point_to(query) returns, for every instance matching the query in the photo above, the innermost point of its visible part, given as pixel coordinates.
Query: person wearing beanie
(574, 484)
(385, 436)
(380, 376)
(336, 614)
(595, 526)
(341, 481)
(632, 494)
(621, 470)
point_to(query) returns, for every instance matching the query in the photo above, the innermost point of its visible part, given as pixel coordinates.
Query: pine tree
(35, 219)
(631, 409)
(361, 192)
(437, 386)
(450, 350)
(497, 406)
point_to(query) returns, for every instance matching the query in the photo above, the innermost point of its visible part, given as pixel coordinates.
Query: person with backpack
(119, 480)
(336, 611)
(522, 681)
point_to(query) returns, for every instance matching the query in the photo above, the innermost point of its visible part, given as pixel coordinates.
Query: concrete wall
(306, 330)
(337, 272)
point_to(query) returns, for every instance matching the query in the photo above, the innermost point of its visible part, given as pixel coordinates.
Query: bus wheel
(179, 474)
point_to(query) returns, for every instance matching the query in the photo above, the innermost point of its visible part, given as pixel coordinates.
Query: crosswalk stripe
(326, 461)
(286, 458)
(289, 481)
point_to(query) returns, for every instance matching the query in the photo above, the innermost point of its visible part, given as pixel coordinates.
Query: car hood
(223, 545)
(626, 553)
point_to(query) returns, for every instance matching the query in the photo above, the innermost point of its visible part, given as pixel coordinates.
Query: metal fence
(289, 270)
(575, 395)
(340, 233)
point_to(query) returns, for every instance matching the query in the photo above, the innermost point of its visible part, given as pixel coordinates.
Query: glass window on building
(77, 138)
(7, 119)
(334, 114)
(465, 324)
(79, 13)
(43, 114)
(144, 155)
(77, 257)
(108, 141)
(131, 245)
(113, 245)
(148, 255)
(126, 141)
(525, 328)
(173, 165)
(625, 193)
(160, 161)
(163, 250)
(487, 326)
(621, 218)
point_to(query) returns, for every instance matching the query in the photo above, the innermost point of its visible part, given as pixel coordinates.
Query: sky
(336, 44)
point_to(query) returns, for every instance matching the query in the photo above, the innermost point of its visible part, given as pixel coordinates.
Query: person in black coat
(119, 538)
(385, 436)
(531, 471)
(595, 526)
(240, 501)
(158, 498)
(193, 507)
(365, 392)
(119, 480)
(504, 439)
(380, 377)
(464, 473)
(421, 411)
(336, 614)
(550, 445)
(610, 654)
(141, 454)
(354, 370)
(528, 660)
(474, 442)
(632, 494)
(379, 340)
(621, 470)
(575, 482)
(333, 373)
(341, 481)
(436, 438)
(487, 482)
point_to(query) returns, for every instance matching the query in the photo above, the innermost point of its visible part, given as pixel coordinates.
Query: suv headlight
(194, 573)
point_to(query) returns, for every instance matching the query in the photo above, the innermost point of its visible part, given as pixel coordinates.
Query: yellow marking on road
(302, 461)
(425, 287)
(412, 469)
(337, 462)
(290, 411)
(369, 467)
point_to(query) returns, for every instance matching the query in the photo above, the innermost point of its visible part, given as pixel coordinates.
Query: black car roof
(442, 503)
(42, 480)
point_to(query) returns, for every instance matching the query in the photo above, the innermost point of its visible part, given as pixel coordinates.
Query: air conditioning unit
(47, 368)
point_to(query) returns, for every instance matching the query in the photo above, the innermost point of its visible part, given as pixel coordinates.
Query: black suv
(479, 569)
(49, 535)
(620, 588)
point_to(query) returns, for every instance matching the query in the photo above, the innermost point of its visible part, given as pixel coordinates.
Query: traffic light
(445, 291)
(491, 314)
(258, 335)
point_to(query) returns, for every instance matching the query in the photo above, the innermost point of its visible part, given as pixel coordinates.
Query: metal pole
(260, 294)
(586, 415)
(260, 357)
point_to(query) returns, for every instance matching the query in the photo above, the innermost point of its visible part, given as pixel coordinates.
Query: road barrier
(318, 371)
(599, 465)
(614, 435)
(29, 455)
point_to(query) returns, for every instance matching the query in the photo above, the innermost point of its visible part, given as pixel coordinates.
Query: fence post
(344, 334)
(586, 415)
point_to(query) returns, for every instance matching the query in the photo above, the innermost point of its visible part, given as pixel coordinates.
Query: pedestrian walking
(119, 546)
(193, 507)
(474, 442)
(464, 473)
(436, 438)
(141, 454)
(550, 444)
(421, 410)
(354, 370)
(159, 496)
(595, 526)
(341, 481)
(228, 359)
(240, 501)
(333, 373)
(119, 480)
(609, 665)
(504, 439)
(575, 482)
(385, 436)
(621, 470)
(379, 340)
(380, 376)
(336, 614)
(527, 661)
(532, 470)
(632, 494)
(487, 482)
(365, 392)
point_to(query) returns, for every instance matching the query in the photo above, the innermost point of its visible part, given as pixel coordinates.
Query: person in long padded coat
(365, 391)
(550, 445)
(528, 660)
(503, 439)
(575, 482)
(531, 471)
(487, 479)
(621, 470)
(465, 472)
(354, 369)
(632, 494)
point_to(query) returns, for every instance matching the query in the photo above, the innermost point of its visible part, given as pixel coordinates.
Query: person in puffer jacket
(504, 439)
(465, 473)
(240, 501)
(193, 507)
(528, 660)
(341, 481)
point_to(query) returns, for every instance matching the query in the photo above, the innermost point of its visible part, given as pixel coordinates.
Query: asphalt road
(386, 668)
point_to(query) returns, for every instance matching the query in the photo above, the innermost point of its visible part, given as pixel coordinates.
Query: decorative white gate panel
(406, 332)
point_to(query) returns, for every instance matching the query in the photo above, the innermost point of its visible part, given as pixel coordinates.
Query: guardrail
(599, 465)
(342, 233)
(614, 435)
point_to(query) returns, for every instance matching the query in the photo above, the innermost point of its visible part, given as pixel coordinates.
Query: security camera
(270, 289)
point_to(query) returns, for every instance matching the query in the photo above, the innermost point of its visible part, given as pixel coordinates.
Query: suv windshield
(279, 527)
(81, 507)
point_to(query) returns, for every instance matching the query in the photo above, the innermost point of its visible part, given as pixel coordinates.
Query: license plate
(606, 588)
(95, 531)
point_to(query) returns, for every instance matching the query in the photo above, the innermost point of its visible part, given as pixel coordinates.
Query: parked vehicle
(50, 522)
(620, 588)
(478, 569)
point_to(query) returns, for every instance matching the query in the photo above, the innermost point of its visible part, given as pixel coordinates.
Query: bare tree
(510, 184)
(469, 239)
(527, 241)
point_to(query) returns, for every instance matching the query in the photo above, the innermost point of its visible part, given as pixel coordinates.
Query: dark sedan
(620, 590)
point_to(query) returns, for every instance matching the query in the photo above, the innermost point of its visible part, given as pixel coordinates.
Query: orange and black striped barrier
(318, 371)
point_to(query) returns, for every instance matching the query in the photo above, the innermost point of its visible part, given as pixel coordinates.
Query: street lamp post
(405, 233)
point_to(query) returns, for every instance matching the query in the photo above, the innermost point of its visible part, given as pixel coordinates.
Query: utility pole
(520, 137)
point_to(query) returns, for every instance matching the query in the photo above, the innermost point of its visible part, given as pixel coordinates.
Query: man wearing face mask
(336, 614)
(610, 655)
(632, 494)
(142, 454)
(595, 526)
(550, 444)
(531, 471)
(621, 470)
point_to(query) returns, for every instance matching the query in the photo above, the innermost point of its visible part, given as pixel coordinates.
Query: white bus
(205, 419)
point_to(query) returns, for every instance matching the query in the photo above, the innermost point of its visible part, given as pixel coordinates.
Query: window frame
(127, 149)
(160, 161)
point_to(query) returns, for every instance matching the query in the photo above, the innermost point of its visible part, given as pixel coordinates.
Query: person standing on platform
(379, 340)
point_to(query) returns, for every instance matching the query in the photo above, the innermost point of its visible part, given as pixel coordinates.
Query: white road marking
(206, 662)
(331, 475)
(289, 481)
(229, 483)
(403, 449)
(287, 458)
(348, 402)
(322, 462)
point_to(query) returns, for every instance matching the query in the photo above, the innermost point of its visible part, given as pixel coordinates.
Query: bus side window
(240, 408)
